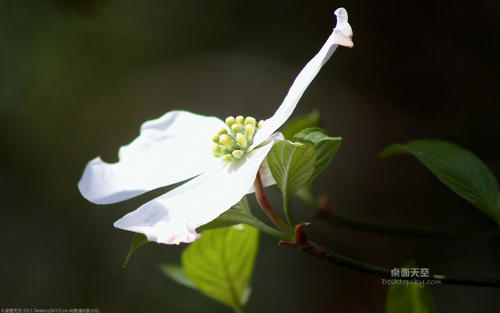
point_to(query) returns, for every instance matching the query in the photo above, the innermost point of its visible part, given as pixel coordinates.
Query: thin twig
(321, 252)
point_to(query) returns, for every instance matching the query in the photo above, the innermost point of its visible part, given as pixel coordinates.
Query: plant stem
(268, 209)
(321, 252)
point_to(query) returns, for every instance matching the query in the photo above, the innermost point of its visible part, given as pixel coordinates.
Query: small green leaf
(220, 263)
(292, 165)
(457, 168)
(301, 122)
(137, 241)
(241, 214)
(238, 214)
(411, 298)
(326, 147)
(176, 273)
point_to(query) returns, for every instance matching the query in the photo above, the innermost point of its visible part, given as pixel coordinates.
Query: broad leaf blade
(137, 241)
(292, 165)
(409, 298)
(301, 122)
(457, 168)
(220, 264)
(176, 273)
(240, 214)
(326, 146)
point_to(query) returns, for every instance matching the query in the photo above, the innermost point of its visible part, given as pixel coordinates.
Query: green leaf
(457, 168)
(411, 298)
(326, 147)
(176, 273)
(292, 165)
(137, 241)
(241, 214)
(301, 122)
(220, 263)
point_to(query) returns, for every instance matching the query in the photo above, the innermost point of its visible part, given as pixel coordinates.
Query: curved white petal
(265, 172)
(173, 217)
(265, 175)
(172, 148)
(341, 35)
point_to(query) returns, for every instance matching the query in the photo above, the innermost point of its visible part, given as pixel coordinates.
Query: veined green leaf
(410, 298)
(301, 122)
(137, 241)
(241, 214)
(457, 168)
(176, 273)
(326, 147)
(292, 165)
(220, 263)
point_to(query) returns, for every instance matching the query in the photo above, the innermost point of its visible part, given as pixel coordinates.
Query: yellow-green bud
(250, 121)
(241, 140)
(227, 158)
(217, 149)
(239, 119)
(249, 131)
(233, 141)
(226, 141)
(238, 154)
(236, 128)
(222, 131)
(229, 121)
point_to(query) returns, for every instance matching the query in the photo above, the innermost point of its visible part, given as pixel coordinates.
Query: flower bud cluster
(232, 143)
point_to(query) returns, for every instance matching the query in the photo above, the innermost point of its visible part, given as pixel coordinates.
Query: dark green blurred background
(77, 79)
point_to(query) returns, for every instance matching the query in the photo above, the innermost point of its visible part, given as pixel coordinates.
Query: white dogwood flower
(180, 146)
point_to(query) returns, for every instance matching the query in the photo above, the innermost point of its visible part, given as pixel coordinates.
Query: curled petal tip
(343, 29)
(341, 13)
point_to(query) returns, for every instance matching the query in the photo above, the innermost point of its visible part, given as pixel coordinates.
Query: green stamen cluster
(233, 142)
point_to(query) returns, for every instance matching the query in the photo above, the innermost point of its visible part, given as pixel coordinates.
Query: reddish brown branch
(268, 209)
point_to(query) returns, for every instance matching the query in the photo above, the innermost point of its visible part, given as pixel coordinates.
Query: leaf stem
(268, 209)
(321, 252)
(288, 211)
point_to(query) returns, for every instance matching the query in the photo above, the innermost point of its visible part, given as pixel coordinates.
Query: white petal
(265, 172)
(173, 217)
(172, 148)
(341, 35)
(265, 175)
